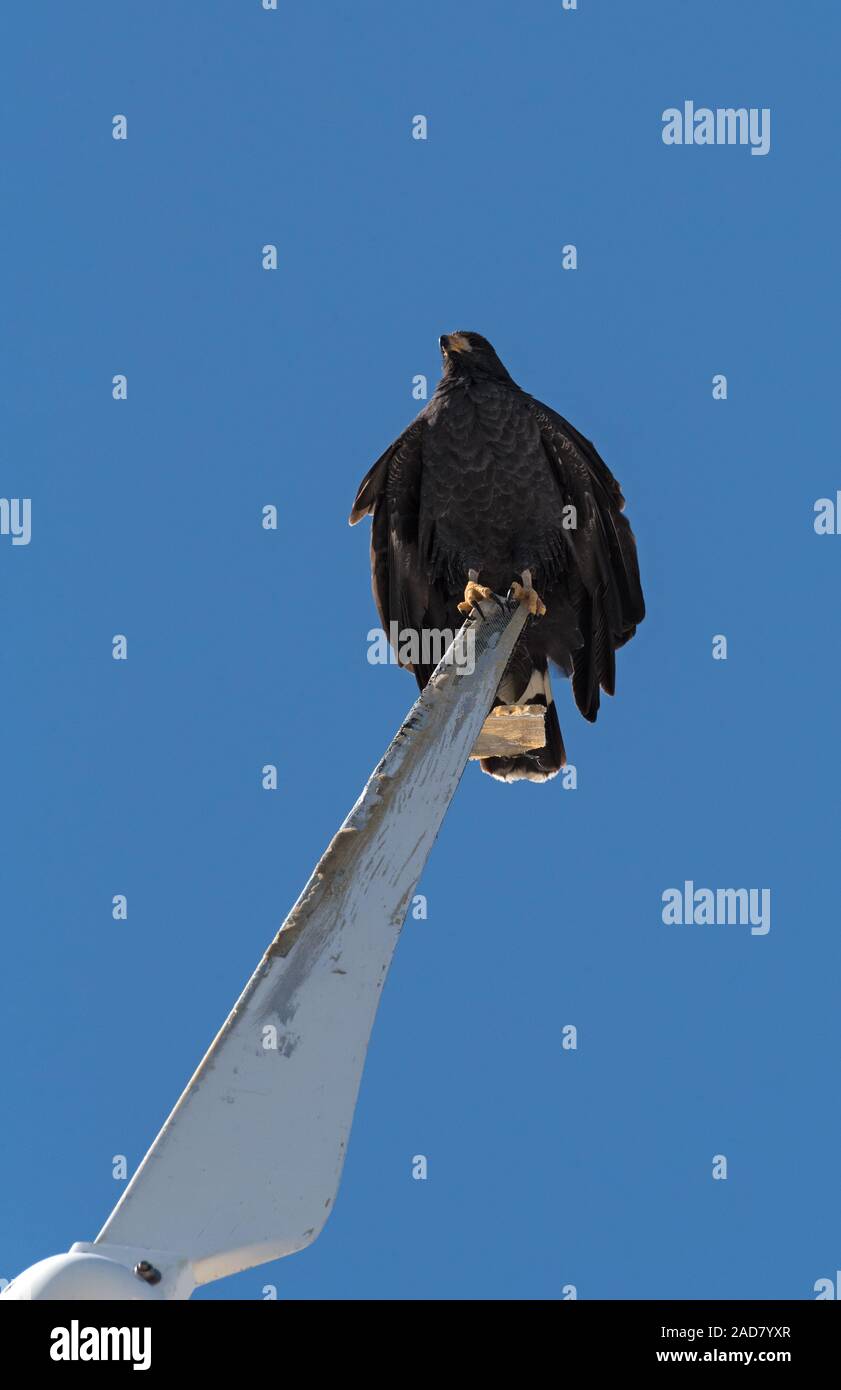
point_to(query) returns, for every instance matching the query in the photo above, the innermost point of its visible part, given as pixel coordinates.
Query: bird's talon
(472, 593)
(530, 597)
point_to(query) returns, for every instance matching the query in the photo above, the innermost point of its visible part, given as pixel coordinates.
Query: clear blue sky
(245, 387)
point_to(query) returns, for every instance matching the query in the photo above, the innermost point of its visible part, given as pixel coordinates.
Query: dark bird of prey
(488, 485)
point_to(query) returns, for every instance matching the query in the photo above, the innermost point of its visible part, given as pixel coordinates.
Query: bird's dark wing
(391, 491)
(374, 483)
(603, 575)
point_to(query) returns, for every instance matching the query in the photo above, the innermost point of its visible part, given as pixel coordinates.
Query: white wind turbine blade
(247, 1166)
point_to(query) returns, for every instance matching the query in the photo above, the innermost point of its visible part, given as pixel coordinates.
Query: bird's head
(470, 355)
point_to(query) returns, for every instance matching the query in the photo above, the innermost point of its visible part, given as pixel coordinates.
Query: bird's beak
(454, 342)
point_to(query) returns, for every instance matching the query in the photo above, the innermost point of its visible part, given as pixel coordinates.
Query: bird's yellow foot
(530, 597)
(472, 593)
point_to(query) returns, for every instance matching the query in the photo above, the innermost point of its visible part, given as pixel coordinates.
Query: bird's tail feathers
(539, 764)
